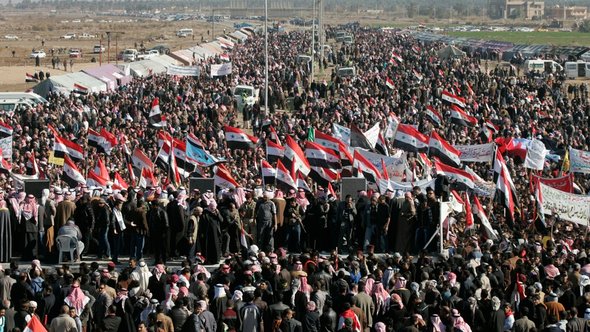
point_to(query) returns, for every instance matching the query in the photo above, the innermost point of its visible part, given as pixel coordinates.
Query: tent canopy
(143, 68)
(450, 52)
(109, 74)
(68, 82)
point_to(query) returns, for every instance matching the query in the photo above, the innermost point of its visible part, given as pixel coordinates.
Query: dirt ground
(44, 31)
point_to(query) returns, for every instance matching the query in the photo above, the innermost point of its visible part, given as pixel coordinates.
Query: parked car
(75, 53)
(70, 35)
(98, 49)
(148, 55)
(37, 54)
(129, 54)
(11, 37)
(86, 35)
(162, 49)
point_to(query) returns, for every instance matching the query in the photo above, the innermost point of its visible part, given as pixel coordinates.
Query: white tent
(143, 68)
(165, 60)
(239, 35)
(70, 82)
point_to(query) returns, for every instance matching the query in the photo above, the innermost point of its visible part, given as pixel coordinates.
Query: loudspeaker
(35, 187)
(203, 184)
(351, 186)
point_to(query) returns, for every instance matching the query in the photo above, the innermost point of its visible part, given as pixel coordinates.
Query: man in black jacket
(111, 322)
(177, 217)
(159, 228)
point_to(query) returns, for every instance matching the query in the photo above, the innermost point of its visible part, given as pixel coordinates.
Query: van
(184, 32)
(245, 94)
(30, 96)
(576, 69)
(12, 105)
(346, 72)
(129, 54)
(542, 66)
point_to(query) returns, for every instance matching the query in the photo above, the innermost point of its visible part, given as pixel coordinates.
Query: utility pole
(265, 56)
(313, 39)
(322, 36)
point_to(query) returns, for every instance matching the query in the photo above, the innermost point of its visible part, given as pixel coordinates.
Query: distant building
(570, 13)
(524, 9)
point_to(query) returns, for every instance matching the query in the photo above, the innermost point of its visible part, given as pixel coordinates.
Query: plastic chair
(67, 244)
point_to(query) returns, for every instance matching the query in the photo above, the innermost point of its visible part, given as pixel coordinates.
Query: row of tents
(506, 49)
(109, 76)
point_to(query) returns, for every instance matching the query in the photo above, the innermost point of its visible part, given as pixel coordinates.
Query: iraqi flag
(140, 160)
(302, 184)
(80, 89)
(439, 147)
(539, 200)
(32, 168)
(458, 116)
(468, 214)
(71, 175)
(284, 180)
(323, 176)
(63, 147)
(417, 75)
(320, 156)
(410, 139)
(119, 183)
(453, 99)
(326, 141)
(433, 115)
(274, 136)
(237, 139)
(274, 151)
(34, 325)
(109, 141)
(5, 130)
(359, 139)
(156, 118)
(397, 57)
(480, 213)
(223, 178)
(505, 189)
(295, 158)
(184, 164)
(488, 130)
(101, 170)
(31, 78)
(389, 83)
(147, 178)
(364, 166)
(268, 173)
(95, 180)
(463, 180)
(381, 146)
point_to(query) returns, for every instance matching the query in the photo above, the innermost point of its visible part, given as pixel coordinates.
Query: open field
(541, 37)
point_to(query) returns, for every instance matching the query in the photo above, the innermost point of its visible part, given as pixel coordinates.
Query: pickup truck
(148, 55)
(129, 54)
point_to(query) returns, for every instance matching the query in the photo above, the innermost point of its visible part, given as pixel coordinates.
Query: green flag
(310, 134)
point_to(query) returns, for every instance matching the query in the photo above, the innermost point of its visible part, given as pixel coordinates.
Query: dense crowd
(297, 260)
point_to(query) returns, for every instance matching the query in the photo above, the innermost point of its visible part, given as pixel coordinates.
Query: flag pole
(266, 56)
(441, 235)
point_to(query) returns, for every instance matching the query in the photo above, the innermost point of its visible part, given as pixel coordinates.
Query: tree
(584, 26)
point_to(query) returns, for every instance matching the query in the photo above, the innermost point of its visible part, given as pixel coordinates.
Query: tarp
(165, 60)
(143, 68)
(110, 74)
(239, 35)
(214, 47)
(185, 57)
(450, 52)
(201, 52)
(65, 84)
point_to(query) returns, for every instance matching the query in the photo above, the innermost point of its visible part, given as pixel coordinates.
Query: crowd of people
(296, 260)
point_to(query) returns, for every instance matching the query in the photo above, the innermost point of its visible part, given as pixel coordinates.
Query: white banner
(396, 164)
(384, 185)
(391, 127)
(478, 153)
(579, 161)
(6, 146)
(571, 207)
(372, 134)
(183, 71)
(221, 70)
(535, 156)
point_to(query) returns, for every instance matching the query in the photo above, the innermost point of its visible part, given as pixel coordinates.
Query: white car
(69, 36)
(98, 49)
(37, 54)
(11, 37)
(75, 53)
